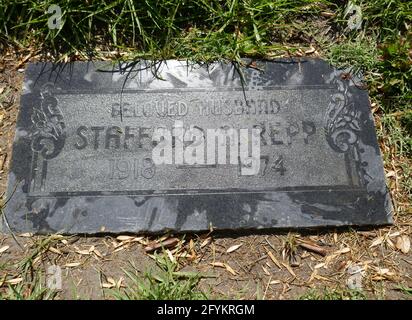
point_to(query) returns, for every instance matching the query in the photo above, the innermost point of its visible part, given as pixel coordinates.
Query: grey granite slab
(84, 139)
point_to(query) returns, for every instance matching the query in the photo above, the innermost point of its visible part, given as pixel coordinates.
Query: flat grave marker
(155, 146)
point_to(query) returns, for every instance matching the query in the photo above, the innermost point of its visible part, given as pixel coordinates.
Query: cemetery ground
(367, 263)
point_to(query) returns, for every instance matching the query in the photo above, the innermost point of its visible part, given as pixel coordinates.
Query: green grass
(387, 17)
(34, 289)
(33, 286)
(333, 294)
(161, 29)
(398, 136)
(359, 54)
(405, 290)
(167, 283)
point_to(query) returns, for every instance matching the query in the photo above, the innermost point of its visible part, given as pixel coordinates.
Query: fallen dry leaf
(229, 268)
(394, 234)
(4, 249)
(185, 254)
(224, 265)
(342, 251)
(26, 235)
(83, 252)
(218, 264)
(97, 253)
(110, 283)
(275, 261)
(288, 267)
(120, 283)
(124, 238)
(382, 273)
(311, 50)
(55, 250)
(191, 245)
(171, 257)
(376, 242)
(266, 271)
(390, 243)
(14, 281)
(403, 244)
(391, 173)
(206, 242)
(327, 14)
(72, 264)
(233, 248)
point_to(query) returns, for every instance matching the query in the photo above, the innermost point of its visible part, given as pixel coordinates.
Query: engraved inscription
(135, 168)
(114, 148)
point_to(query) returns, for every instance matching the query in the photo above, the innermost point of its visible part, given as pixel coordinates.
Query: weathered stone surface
(82, 155)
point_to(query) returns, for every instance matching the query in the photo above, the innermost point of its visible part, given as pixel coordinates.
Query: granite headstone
(85, 138)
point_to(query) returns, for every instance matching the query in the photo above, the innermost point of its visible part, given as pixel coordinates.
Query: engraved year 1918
(135, 168)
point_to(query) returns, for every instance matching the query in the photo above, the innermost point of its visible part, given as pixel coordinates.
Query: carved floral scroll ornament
(342, 126)
(48, 134)
(342, 120)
